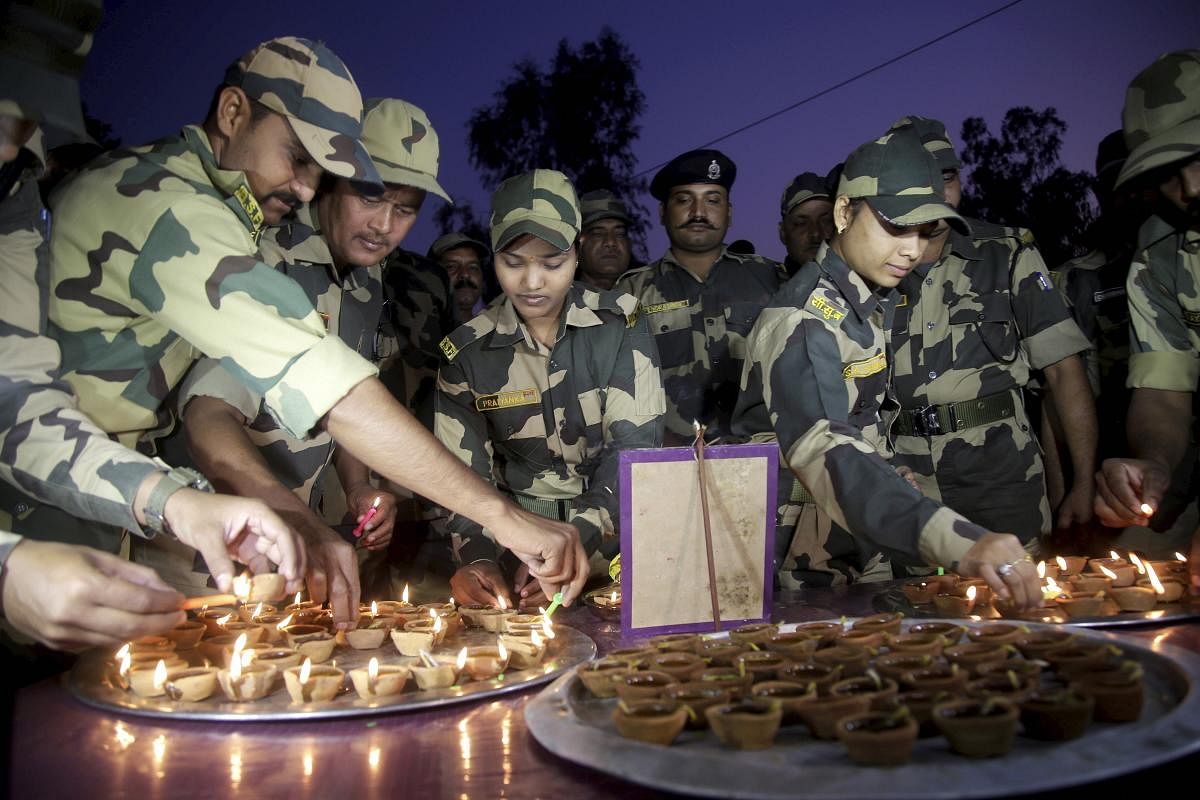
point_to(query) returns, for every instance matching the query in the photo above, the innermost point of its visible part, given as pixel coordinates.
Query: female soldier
(546, 385)
(817, 375)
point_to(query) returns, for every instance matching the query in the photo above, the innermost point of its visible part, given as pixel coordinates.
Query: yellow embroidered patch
(902, 302)
(520, 397)
(869, 366)
(250, 206)
(1192, 318)
(827, 309)
(631, 319)
(448, 349)
(656, 308)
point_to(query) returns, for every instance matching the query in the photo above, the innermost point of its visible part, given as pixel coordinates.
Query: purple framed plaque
(664, 566)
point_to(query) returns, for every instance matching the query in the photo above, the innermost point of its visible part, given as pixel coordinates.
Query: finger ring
(1004, 569)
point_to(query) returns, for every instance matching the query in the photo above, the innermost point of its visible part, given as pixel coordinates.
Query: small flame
(1154, 581)
(404, 594)
(126, 661)
(547, 628)
(1108, 573)
(238, 647)
(1180, 557)
(1137, 562)
(503, 605)
(283, 623)
(378, 500)
(1062, 563)
(1052, 585)
(225, 620)
(1041, 569)
(297, 600)
(160, 675)
(241, 587)
(235, 670)
(437, 624)
(499, 646)
(373, 669)
(462, 659)
(1146, 509)
(535, 639)
(257, 612)
(971, 594)
(613, 598)
(374, 609)
(305, 671)
(453, 603)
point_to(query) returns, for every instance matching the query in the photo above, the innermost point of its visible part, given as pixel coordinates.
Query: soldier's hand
(69, 597)
(223, 527)
(481, 583)
(529, 592)
(1000, 560)
(377, 534)
(332, 568)
(908, 475)
(550, 549)
(1077, 507)
(1124, 484)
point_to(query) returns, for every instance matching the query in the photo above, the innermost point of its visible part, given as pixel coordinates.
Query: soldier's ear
(842, 213)
(233, 110)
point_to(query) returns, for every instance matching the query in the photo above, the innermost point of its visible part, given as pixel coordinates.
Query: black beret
(694, 166)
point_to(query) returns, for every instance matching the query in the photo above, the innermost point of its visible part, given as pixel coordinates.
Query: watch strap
(178, 478)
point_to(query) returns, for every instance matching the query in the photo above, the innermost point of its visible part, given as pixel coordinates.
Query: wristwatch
(178, 478)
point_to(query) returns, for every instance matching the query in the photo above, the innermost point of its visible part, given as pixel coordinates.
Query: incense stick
(708, 545)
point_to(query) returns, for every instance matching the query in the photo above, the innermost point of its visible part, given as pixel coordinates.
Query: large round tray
(92, 680)
(570, 723)
(1188, 608)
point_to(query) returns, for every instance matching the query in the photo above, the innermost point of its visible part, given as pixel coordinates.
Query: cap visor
(594, 218)
(49, 97)
(403, 176)
(556, 233)
(1180, 142)
(917, 210)
(338, 153)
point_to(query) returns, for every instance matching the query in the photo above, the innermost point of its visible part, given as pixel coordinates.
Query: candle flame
(126, 661)
(1180, 557)
(1062, 563)
(283, 623)
(453, 603)
(1146, 509)
(404, 594)
(971, 594)
(1154, 581)
(257, 612)
(503, 605)
(1108, 573)
(241, 587)
(225, 620)
(373, 668)
(296, 602)
(238, 647)
(378, 500)
(1137, 562)
(374, 609)
(547, 627)
(613, 597)
(305, 671)
(500, 647)
(235, 670)
(1052, 585)
(160, 675)
(535, 639)
(1041, 569)
(437, 624)
(462, 659)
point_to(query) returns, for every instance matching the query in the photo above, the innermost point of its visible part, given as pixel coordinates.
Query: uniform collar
(668, 259)
(860, 297)
(510, 329)
(231, 183)
(957, 243)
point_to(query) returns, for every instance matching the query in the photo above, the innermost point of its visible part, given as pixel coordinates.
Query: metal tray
(1188, 608)
(92, 680)
(570, 723)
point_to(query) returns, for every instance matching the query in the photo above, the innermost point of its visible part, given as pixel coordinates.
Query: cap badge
(714, 171)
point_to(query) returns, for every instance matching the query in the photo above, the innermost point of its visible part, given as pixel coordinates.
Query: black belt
(952, 417)
(550, 509)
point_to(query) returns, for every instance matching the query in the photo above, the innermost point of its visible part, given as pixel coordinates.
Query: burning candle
(485, 663)
(147, 681)
(404, 595)
(309, 684)
(124, 661)
(1146, 509)
(1180, 557)
(1051, 589)
(242, 683)
(524, 651)
(191, 684)
(379, 680)
(1137, 562)
(970, 598)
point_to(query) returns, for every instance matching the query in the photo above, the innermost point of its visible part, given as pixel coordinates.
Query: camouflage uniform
(1164, 308)
(700, 328)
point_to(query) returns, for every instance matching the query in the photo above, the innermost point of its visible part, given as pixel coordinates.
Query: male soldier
(67, 596)
(1161, 120)
(160, 265)
(806, 218)
(333, 248)
(463, 258)
(604, 249)
(974, 320)
(700, 300)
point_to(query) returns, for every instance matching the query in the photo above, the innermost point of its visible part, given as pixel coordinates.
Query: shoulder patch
(448, 348)
(1192, 318)
(826, 309)
(868, 366)
(658, 308)
(520, 397)
(631, 319)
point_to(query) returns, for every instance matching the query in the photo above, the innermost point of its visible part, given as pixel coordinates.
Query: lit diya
(524, 651)
(494, 620)
(191, 684)
(148, 681)
(487, 662)
(1166, 589)
(438, 672)
(312, 641)
(371, 630)
(246, 683)
(378, 681)
(309, 684)
(418, 635)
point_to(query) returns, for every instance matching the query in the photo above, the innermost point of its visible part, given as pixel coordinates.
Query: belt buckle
(929, 420)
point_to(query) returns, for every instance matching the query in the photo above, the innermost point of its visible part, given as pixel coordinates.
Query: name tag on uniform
(1192, 318)
(826, 309)
(656, 308)
(521, 397)
(868, 366)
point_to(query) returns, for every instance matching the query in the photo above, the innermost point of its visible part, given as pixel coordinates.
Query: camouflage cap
(455, 239)
(310, 86)
(694, 166)
(934, 137)
(541, 203)
(804, 186)
(1161, 117)
(602, 204)
(403, 144)
(900, 179)
(42, 51)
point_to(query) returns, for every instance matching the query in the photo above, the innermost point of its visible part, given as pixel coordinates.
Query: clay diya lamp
(978, 728)
(944, 582)
(253, 681)
(920, 703)
(186, 635)
(1036, 644)
(1070, 565)
(746, 724)
(605, 603)
(683, 667)
(1118, 693)
(1134, 598)
(760, 665)
(953, 606)
(879, 739)
(191, 684)
(418, 635)
(676, 642)
(1047, 569)
(157, 646)
(1024, 669)
(254, 632)
(1080, 606)
(370, 633)
(379, 681)
(938, 678)
(877, 689)
(922, 592)
(720, 652)
(853, 660)
(599, 677)
(148, 680)
(950, 632)
(217, 649)
(1090, 583)
(927, 644)
(983, 592)
(279, 657)
(437, 672)
(524, 652)
(728, 678)
(971, 655)
(758, 633)
(1174, 569)
(997, 633)
(652, 721)
(898, 663)
(252, 613)
(495, 620)
(869, 640)
(1076, 659)
(271, 625)
(260, 588)
(309, 684)
(788, 694)
(171, 659)
(825, 632)
(697, 696)
(472, 614)
(1007, 685)
(823, 714)
(486, 662)
(1056, 714)
(887, 622)
(821, 676)
(643, 685)
(522, 622)
(311, 641)
(793, 646)
(1172, 589)
(1120, 571)
(211, 617)
(633, 657)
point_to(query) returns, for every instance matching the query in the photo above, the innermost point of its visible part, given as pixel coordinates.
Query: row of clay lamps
(869, 684)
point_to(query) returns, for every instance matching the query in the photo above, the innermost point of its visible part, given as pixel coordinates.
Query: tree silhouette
(580, 117)
(1018, 179)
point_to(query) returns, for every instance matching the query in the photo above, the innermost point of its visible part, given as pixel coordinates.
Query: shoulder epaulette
(471, 331)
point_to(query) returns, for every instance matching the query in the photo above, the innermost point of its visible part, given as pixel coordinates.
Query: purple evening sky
(707, 68)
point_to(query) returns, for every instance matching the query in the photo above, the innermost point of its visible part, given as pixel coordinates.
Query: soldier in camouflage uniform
(462, 258)
(604, 248)
(974, 320)
(1161, 120)
(160, 264)
(699, 299)
(66, 596)
(817, 373)
(806, 218)
(545, 387)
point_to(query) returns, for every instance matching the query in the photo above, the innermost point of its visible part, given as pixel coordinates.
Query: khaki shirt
(1164, 307)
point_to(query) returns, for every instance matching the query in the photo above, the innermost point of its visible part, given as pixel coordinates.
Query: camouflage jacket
(417, 315)
(350, 309)
(1164, 308)
(48, 447)
(816, 373)
(550, 423)
(158, 265)
(701, 329)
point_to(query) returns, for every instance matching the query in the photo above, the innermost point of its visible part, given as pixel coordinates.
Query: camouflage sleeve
(7, 542)
(634, 409)
(1162, 353)
(48, 447)
(462, 429)
(1048, 331)
(207, 378)
(796, 361)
